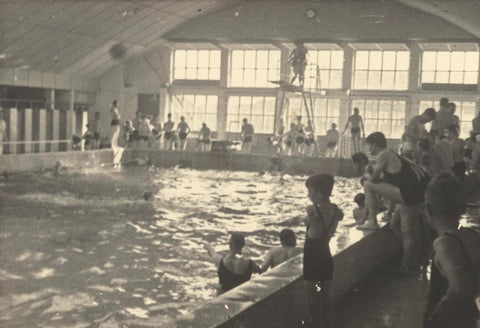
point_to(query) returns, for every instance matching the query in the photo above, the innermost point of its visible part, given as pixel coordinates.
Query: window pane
(471, 61)
(401, 81)
(428, 77)
(203, 58)
(262, 77)
(180, 73)
(389, 59)
(262, 59)
(324, 79)
(361, 79)
(385, 127)
(398, 110)
(212, 103)
(458, 61)
(361, 60)
(374, 79)
(237, 59)
(456, 77)
(245, 106)
(270, 106)
(375, 60)
(191, 73)
(237, 77)
(324, 59)
(202, 74)
(337, 59)
(388, 80)
(442, 77)
(250, 59)
(180, 56)
(274, 59)
(443, 61)
(214, 74)
(192, 58)
(385, 109)
(215, 58)
(398, 127)
(336, 79)
(371, 107)
(403, 60)
(249, 78)
(429, 61)
(471, 78)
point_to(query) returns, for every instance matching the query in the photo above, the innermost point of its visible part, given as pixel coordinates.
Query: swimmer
(278, 255)
(321, 221)
(357, 129)
(456, 260)
(360, 211)
(288, 138)
(233, 268)
(183, 130)
(298, 146)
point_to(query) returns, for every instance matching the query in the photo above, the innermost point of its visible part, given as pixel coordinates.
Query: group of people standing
(422, 188)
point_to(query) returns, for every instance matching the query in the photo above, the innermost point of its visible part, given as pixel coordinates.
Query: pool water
(85, 248)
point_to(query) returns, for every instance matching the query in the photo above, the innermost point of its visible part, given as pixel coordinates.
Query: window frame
(239, 116)
(272, 73)
(190, 117)
(369, 72)
(210, 69)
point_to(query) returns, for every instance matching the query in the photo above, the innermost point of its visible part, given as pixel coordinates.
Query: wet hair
(359, 199)
(430, 113)
(182, 117)
(287, 238)
(245, 120)
(97, 114)
(322, 183)
(378, 139)
(452, 105)
(292, 125)
(356, 109)
(115, 103)
(169, 115)
(445, 196)
(237, 239)
(360, 158)
(444, 102)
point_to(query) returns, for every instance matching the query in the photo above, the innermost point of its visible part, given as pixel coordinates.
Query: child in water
(359, 212)
(321, 221)
(278, 255)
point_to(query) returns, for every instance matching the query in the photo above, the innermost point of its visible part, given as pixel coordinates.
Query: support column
(162, 103)
(68, 133)
(28, 130)
(347, 77)
(13, 135)
(70, 120)
(414, 82)
(55, 129)
(84, 125)
(222, 116)
(42, 126)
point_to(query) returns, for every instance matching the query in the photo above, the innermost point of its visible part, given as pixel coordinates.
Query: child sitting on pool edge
(278, 255)
(321, 221)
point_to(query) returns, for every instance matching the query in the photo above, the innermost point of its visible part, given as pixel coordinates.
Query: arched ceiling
(88, 37)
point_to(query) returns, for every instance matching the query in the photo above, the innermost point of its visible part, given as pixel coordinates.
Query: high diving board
(285, 86)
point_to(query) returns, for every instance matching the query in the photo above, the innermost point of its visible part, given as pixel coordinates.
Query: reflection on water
(86, 249)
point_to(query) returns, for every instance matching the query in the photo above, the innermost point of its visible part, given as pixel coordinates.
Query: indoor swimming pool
(85, 248)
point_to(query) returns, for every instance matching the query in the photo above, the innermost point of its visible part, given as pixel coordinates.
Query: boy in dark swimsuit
(321, 221)
(454, 280)
(233, 269)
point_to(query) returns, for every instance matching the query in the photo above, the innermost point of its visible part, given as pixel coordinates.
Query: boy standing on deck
(321, 221)
(454, 280)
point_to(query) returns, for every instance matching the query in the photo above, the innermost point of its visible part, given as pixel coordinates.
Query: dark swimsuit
(247, 139)
(229, 280)
(168, 135)
(115, 122)
(412, 181)
(355, 130)
(317, 258)
(96, 136)
(331, 144)
(182, 135)
(464, 313)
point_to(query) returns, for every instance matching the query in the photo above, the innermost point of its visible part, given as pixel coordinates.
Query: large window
(197, 109)
(381, 70)
(325, 112)
(196, 65)
(386, 116)
(254, 68)
(324, 69)
(260, 111)
(465, 112)
(450, 67)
